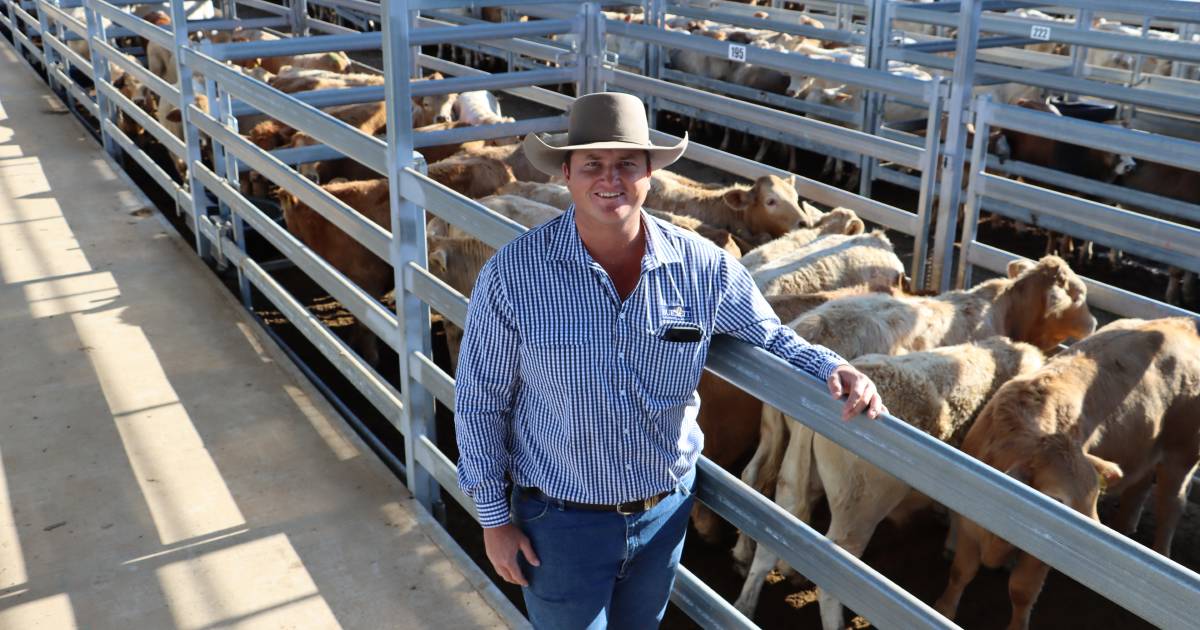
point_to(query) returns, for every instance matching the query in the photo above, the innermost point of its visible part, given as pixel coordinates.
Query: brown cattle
(1117, 412)
(471, 174)
(768, 209)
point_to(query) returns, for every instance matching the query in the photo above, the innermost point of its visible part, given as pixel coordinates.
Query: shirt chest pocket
(671, 369)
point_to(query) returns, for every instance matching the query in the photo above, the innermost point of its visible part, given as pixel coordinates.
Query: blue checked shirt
(564, 387)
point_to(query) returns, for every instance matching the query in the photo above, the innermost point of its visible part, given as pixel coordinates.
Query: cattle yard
(278, 137)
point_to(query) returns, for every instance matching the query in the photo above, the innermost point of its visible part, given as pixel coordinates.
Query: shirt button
(621, 316)
(622, 392)
(628, 467)
(620, 355)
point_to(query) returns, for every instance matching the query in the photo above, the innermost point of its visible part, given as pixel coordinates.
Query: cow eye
(770, 202)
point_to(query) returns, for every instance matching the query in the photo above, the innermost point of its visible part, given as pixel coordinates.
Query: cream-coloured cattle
(837, 221)
(1042, 304)
(830, 262)
(1116, 412)
(939, 391)
(334, 61)
(472, 174)
(768, 209)
(548, 193)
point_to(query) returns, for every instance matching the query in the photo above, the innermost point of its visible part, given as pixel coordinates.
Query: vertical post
(983, 116)
(299, 18)
(871, 111)
(591, 49)
(49, 54)
(1079, 54)
(100, 74)
(407, 247)
(653, 58)
(929, 168)
(198, 195)
(228, 168)
(956, 140)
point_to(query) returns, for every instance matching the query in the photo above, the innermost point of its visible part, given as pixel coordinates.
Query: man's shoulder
(529, 247)
(694, 248)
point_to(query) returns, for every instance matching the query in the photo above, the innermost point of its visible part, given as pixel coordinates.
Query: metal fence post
(982, 111)
(407, 247)
(956, 141)
(929, 182)
(871, 111)
(198, 195)
(299, 18)
(100, 74)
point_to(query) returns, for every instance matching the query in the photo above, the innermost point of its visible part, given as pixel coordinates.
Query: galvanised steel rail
(1157, 239)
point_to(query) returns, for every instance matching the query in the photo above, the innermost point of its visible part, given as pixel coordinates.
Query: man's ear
(566, 169)
(738, 199)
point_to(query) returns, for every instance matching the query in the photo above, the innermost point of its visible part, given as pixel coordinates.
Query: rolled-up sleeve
(484, 390)
(743, 313)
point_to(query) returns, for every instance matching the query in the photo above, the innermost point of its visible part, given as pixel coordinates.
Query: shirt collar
(565, 243)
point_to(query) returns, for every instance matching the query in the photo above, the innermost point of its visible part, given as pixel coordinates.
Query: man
(584, 343)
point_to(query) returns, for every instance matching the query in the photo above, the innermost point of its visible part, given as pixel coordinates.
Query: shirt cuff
(832, 362)
(492, 511)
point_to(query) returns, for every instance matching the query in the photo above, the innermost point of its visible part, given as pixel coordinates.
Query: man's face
(608, 186)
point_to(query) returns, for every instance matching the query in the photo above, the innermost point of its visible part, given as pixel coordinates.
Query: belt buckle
(621, 508)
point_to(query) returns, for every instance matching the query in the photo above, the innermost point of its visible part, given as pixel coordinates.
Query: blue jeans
(601, 569)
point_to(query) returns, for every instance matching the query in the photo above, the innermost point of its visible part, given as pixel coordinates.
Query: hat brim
(548, 159)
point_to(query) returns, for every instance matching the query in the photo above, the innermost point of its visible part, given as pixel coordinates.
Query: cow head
(771, 205)
(1047, 303)
(435, 108)
(837, 221)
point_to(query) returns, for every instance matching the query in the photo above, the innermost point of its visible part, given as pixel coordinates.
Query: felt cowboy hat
(605, 120)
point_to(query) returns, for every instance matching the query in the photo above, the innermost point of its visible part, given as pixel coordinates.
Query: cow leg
(860, 496)
(962, 571)
(762, 471)
(1188, 289)
(1024, 586)
(799, 487)
(791, 159)
(1133, 500)
(1173, 482)
(1175, 286)
(762, 150)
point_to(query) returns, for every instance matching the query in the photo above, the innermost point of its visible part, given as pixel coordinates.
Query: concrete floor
(160, 465)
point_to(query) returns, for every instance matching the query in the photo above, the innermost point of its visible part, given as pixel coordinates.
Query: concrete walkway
(160, 465)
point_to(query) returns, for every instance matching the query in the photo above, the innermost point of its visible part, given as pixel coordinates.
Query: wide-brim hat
(605, 120)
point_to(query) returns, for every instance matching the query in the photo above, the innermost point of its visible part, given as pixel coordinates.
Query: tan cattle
(842, 221)
(832, 261)
(1042, 304)
(333, 61)
(768, 209)
(1117, 412)
(471, 174)
(938, 391)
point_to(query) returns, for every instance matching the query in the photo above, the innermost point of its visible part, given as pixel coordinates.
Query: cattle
(837, 221)
(513, 155)
(1176, 183)
(719, 237)
(478, 107)
(1115, 413)
(550, 194)
(333, 61)
(292, 80)
(326, 171)
(767, 209)
(1041, 304)
(361, 266)
(832, 261)
(472, 174)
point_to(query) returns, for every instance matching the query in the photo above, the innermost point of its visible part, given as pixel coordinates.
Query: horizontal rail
(778, 101)
(1164, 241)
(329, 130)
(376, 390)
(152, 126)
(296, 46)
(847, 578)
(263, 5)
(440, 296)
(488, 31)
(489, 227)
(790, 63)
(80, 96)
(538, 95)
(165, 91)
(152, 33)
(442, 469)
(523, 47)
(815, 130)
(432, 378)
(69, 55)
(362, 6)
(1100, 295)
(1153, 587)
(366, 309)
(489, 132)
(372, 236)
(152, 169)
(704, 605)
(1184, 154)
(776, 21)
(62, 17)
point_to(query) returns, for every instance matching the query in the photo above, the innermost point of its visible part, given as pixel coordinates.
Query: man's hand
(859, 391)
(502, 544)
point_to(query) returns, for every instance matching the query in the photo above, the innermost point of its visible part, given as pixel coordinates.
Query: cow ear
(738, 199)
(793, 181)
(1019, 266)
(1108, 474)
(855, 226)
(436, 76)
(437, 257)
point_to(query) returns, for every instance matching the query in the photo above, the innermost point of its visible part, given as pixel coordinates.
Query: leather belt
(628, 507)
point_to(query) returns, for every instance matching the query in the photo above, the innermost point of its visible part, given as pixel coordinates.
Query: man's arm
(484, 389)
(743, 313)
